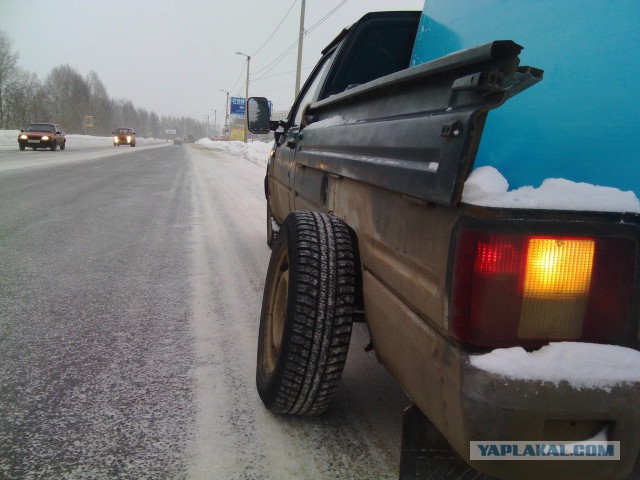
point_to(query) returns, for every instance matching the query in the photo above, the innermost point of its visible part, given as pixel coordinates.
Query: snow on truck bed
(582, 365)
(487, 187)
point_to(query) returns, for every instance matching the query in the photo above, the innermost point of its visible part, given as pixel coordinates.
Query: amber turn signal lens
(558, 266)
(556, 287)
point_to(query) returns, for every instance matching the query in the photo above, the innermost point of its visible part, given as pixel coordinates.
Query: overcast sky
(174, 57)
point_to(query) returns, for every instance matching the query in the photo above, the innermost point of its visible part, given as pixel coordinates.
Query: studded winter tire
(307, 314)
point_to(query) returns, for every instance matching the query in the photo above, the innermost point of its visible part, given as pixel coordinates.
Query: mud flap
(426, 454)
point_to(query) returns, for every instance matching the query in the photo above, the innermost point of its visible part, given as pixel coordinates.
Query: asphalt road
(130, 291)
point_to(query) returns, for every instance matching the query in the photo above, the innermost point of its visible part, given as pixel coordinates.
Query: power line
(274, 32)
(239, 76)
(323, 19)
(278, 74)
(281, 57)
(278, 59)
(280, 88)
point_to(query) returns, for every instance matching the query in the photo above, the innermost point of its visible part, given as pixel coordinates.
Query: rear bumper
(497, 409)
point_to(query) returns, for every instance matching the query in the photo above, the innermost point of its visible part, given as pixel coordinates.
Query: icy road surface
(130, 293)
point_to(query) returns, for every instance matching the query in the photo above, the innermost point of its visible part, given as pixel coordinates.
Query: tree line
(65, 97)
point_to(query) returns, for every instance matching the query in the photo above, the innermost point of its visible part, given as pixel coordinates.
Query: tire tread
(322, 316)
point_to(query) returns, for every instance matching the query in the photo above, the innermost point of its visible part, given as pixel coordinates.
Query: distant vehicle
(177, 141)
(190, 139)
(124, 136)
(42, 135)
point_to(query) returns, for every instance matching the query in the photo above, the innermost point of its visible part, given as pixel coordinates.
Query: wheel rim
(276, 313)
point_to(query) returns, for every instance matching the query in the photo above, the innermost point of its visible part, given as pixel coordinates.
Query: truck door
(282, 179)
(279, 178)
(304, 184)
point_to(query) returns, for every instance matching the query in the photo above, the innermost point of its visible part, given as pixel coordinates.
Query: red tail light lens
(514, 289)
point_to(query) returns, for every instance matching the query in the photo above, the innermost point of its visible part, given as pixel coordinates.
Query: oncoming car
(177, 141)
(42, 135)
(124, 136)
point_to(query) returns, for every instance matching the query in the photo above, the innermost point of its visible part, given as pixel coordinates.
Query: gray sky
(173, 57)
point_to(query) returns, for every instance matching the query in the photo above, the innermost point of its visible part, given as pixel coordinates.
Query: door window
(310, 90)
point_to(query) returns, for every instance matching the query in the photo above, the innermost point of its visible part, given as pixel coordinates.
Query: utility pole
(300, 37)
(207, 125)
(246, 99)
(226, 113)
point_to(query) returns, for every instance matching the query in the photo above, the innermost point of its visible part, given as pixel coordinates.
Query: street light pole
(246, 98)
(226, 114)
(215, 120)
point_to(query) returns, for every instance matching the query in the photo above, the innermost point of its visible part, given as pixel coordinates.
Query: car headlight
(23, 137)
(128, 138)
(116, 139)
(45, 138)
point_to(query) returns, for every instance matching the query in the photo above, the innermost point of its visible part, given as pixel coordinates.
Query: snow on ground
(582, 365)
(255, 152)
(487, 187)
(9, 137)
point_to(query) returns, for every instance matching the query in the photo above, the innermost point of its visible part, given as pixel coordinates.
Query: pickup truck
(366, 220)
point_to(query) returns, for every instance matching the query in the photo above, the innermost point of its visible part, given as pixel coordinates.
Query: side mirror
(258, 115)
(133, 133)
(113, 133)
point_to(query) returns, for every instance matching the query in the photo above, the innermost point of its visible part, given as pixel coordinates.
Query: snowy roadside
(255, 152)
(9, 138)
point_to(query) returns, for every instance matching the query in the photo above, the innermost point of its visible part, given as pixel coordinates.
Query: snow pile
(582, 365)
(487, 187)
(9, 137)
(256, 152)
(90, 140)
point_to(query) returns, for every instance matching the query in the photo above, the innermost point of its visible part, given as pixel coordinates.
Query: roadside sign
(88, 121)
(237, 106)
(237, 133)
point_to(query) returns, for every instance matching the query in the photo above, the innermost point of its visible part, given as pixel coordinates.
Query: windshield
(123, 130)
(38, 127)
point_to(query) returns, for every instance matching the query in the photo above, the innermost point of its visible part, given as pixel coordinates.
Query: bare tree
(154, 125)
(143, 122)
(8, 75)
(100, 105)
(25, 100)
(70, 98)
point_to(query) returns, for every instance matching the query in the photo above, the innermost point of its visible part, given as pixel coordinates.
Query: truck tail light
(527, 290)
